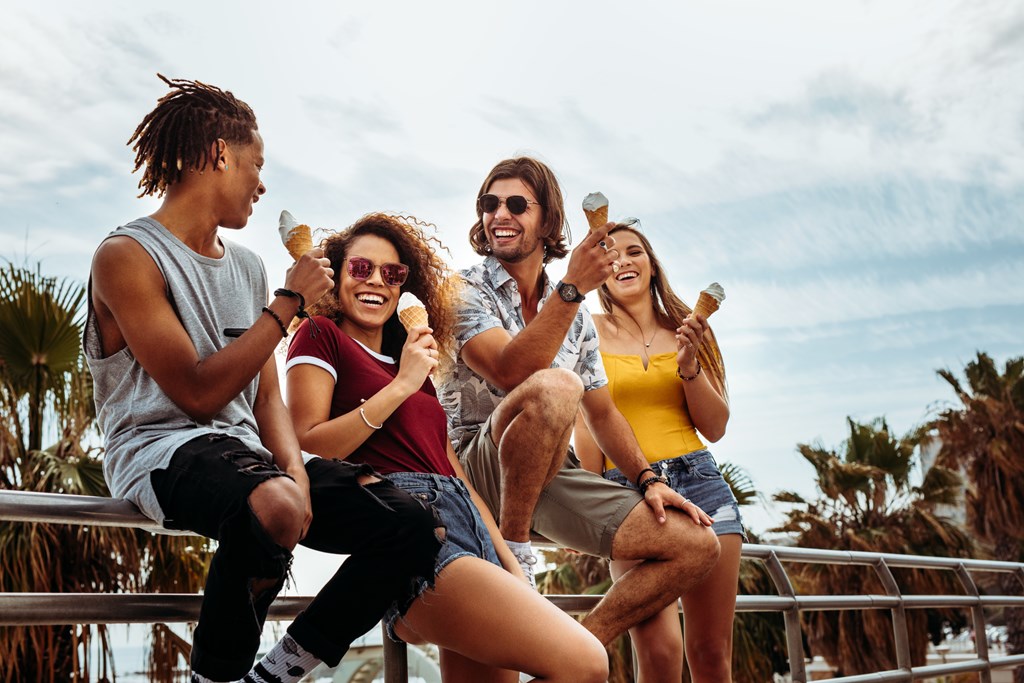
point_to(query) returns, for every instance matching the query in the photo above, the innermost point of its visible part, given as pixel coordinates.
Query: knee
(711, 659)
(277, 505)
(659, 654)
(553, 395)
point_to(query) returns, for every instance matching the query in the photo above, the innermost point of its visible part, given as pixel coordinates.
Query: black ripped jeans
(388, 534)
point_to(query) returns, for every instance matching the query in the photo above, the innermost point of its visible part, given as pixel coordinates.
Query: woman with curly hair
(359, 390)
(666, 376)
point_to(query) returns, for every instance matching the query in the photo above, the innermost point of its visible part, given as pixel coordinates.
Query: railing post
(794, 636)
(396, 660)
(899, 615)
(978, 617)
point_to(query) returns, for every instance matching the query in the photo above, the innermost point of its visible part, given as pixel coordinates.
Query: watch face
(569, 292)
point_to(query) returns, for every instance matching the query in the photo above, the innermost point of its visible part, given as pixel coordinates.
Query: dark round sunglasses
(517, 204)
(393, 274)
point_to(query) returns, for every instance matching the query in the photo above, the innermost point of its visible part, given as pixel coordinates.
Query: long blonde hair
(669, 311)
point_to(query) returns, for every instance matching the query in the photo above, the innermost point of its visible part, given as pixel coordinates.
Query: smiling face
(635, 269)
(367, 304)
(513, 238)
(241, 167)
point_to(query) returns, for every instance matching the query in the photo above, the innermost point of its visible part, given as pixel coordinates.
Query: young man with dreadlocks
(180, 340)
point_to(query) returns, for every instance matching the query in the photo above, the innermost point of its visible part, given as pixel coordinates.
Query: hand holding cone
(709, 300)
(297, 238)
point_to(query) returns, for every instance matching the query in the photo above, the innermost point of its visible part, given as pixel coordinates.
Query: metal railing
(49, 608)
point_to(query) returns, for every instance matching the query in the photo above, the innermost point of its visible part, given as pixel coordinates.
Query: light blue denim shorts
(465, 534)
(697, 477)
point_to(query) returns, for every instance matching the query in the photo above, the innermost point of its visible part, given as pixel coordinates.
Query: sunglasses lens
(360, 268)
(394, 274)
(516, 204)
(488, 203)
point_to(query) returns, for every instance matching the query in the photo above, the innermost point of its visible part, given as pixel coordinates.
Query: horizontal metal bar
(877, 677)
(65, 508)
(30, 609)
(817, 555)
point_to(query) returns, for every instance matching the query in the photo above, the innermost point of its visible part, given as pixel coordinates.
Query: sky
(852, 173)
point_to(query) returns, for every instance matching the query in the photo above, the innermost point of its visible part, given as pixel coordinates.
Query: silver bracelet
(369, 424)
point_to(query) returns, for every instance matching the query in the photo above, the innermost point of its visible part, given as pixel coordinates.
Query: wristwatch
(569, 293)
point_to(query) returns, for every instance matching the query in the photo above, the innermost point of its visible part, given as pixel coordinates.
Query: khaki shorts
(578, 509)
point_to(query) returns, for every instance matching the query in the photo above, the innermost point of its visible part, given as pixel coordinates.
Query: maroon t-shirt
(413, 439)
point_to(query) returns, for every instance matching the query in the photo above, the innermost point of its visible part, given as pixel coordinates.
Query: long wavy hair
(430, 279)
(669, 310)
(544, 184)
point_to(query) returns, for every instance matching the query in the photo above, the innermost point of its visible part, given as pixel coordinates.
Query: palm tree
(759, 640)
(984, 438)
(867, 503)
(46, 395)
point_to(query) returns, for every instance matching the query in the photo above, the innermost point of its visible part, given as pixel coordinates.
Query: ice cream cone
(595, 205)
(297, 238)
(709, 300)
(413, 316)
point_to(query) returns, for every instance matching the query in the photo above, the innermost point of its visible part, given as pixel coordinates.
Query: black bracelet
(683, 377)
(642, 473)
(280, 323)
(295, 295)
(301, 313)
(651, 481)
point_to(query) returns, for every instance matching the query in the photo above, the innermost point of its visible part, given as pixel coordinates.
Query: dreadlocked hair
(669, 310)
(430, 279)
(178, 134)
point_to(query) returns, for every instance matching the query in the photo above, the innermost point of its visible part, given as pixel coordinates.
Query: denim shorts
(696, 476)
(465, 534)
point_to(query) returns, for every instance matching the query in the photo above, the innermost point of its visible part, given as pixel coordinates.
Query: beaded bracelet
(280, 323)
(683, 377)
(642, 473)
(651, 481)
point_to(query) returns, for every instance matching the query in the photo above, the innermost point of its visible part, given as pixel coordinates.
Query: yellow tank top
(653, 403)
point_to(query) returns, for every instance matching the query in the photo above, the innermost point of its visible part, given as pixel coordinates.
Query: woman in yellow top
(666, 376)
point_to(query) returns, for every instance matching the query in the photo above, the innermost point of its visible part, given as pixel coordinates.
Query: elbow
(716, 431)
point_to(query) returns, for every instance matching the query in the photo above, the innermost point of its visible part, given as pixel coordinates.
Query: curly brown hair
(669, 309)
(178, 134)
(430, 279)
(544, 184)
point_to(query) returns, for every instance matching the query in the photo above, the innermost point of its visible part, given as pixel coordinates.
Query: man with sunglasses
(527, 362)
(180, 340)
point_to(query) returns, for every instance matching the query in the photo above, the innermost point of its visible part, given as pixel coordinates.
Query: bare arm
(508, 560)
(506, 361)
(708, 409)
(131, 303)
(310, 389)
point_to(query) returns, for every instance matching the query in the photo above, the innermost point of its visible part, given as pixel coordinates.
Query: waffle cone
(706, 305)
(300, 240)
(413, 316)
(597, 218)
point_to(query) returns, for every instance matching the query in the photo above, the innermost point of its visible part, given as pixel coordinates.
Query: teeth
(627, 276)
(504, 233)
(374, 299)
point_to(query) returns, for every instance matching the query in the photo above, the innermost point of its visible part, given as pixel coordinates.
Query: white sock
(287, 662)
(520, 547)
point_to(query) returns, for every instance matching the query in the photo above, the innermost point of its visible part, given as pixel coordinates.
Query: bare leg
(483, 613)
(275, 502)
(674, 557)
(531, 428)
(710, 608)
(657, 642)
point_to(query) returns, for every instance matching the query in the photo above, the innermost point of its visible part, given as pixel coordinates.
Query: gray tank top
(142, 426)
